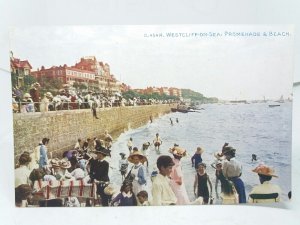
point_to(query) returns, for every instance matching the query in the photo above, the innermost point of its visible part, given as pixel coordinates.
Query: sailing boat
(281, 100)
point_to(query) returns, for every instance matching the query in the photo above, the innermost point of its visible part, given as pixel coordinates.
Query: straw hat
(264, 170)
(110, 189)
(200, 150)
(139, 154)
(218, 155)
(54, 163)
(27, 95)
(178, 151)
(49, 95)
(64, 164)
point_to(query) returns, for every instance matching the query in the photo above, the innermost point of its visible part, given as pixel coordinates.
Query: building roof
(17, 63)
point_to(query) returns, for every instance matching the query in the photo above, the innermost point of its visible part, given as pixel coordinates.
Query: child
(130, 145)
(161, 190)
(126, 197)
(157, 142)
(123, 165)
(200, 184)
(143, 198)
(217, 165)
(145, 148)
(197, 158)
(229, 194)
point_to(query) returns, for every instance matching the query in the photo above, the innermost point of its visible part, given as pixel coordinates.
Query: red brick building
(162, 90)
(95, 75)
(175, 92)
(20, 68)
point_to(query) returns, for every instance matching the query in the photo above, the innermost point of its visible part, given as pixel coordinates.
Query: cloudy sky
(226, 67)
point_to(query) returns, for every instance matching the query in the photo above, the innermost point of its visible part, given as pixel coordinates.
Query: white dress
(136, 187)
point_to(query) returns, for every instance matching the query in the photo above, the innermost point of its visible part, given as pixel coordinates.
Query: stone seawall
(65, 127)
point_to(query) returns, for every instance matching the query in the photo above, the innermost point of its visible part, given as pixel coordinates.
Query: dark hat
(122, 154)
(228, 150)
(102, 150)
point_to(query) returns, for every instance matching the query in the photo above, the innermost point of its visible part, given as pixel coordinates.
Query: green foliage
(196, 96)
(25, 86)
(52, 85)
(29, 80)
(14, 79)
(79, 86)
(131, 94)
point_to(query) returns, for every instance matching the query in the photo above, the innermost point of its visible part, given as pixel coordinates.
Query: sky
(225, 66)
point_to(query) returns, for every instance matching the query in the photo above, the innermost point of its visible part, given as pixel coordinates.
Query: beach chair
(50, 190)
(256, 197)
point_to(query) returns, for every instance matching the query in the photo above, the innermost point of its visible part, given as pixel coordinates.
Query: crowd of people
(68, 98)
(89, 163)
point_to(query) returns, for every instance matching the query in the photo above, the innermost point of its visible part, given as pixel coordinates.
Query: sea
(252, 128)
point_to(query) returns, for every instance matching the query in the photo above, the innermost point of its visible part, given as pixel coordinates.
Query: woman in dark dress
(201, 183)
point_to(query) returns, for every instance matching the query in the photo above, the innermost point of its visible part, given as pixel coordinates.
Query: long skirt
(240, 188)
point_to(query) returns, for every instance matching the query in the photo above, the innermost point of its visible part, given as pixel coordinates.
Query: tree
(130, 94)
(29, 80)
(50, 84)
(14, 79)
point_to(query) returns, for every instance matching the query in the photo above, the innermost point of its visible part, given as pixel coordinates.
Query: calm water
(250, 128)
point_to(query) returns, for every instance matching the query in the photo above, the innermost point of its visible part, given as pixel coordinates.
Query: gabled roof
(17, 63)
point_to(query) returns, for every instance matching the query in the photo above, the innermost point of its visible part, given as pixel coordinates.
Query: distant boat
(238, 101)
(183, 110)
(273, 106)
(281, 100)
(195, 108)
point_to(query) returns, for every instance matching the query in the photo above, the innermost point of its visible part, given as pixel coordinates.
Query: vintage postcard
(110, 116)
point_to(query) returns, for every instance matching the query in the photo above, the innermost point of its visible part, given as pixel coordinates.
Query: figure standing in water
(177, 121)
(130, 145)
(123, 165)
(157, 142)
(201, 183)
(197, 157)
(171, 121)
